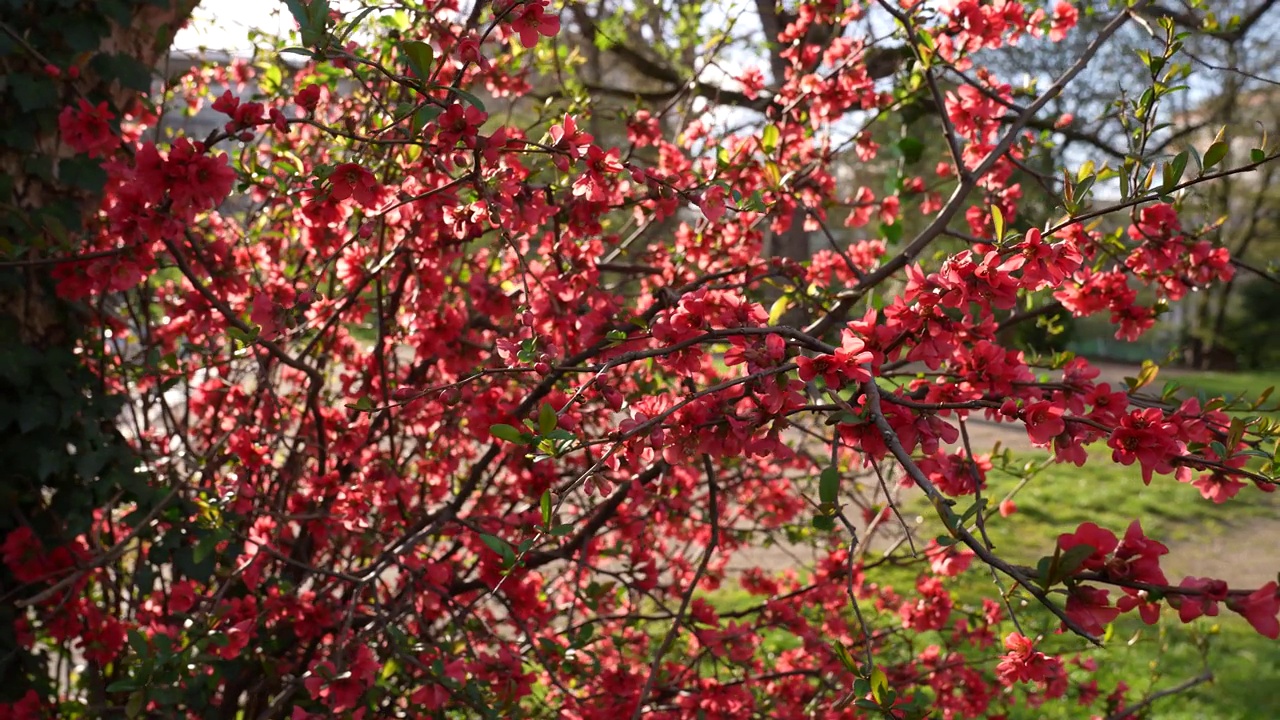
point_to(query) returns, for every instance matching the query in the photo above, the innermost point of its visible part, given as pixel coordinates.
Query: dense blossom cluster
(442, 440)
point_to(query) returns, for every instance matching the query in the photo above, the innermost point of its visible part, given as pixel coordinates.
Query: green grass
(1241, 389)
(1056, 500)
(1248, 384)
(1061, 496)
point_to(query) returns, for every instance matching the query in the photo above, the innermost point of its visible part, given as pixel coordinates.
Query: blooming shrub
(431, 429)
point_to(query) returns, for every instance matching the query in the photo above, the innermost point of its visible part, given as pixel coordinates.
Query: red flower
(265, 315)
(349, 180)
(1260, 608)
(1044, 422)
(846, 364)
(1065, 17)
(182, 597)
(712, 203)
(1101, 540)
(23, 554)
(1145, 436)
(87, 128)
(196, 181)
(1023, 663)
(569, 140)
(1138, 557)
(308, 97)
(532, 19)
(1218, 487)
(1148, 609)
(1204, 602)
(1088, 606)
(948, 560)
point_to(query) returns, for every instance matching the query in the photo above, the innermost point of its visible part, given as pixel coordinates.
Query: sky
(224, 24)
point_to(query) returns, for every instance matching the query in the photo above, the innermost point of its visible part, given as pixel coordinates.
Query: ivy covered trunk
(60, 456)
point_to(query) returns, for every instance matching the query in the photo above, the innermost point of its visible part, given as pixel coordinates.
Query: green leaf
(128, 70)
(1173, 173)
(507, 432)
(824, 523)
(319, 12)
(421, 57)
(1084, 187)
(769, 139)
(364, 404)
(879, 685)
(829, 485)
(997, 220)
(424, 115)
(912, 149)
(471, 99)
(1234, 434)
(545, 504)
(136, 704)
(298, 9)
(1215, 154)
(845, 658)
(1044, 568)
(1070, 561)
(242, 337)
(892, 233)
(128, 684)
(138, 642)
(547, 420)
(82, 172)
(1257, 155)
(32, 92)
(500, 546)
(1086, 170)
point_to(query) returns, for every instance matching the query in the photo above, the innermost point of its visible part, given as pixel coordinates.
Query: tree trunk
(54, 415)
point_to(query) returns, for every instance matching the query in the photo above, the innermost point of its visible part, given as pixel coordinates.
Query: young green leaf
(506, 432)
(421, 57)
(879, 685)
(1215, 154)
(829, 485)
(500, 546)
(364, 404)
(845, 658)
(769, 139)
(778, 309)
(547, 420)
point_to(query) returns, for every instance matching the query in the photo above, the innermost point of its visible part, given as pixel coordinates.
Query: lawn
(1053, 499)
(1249, 384)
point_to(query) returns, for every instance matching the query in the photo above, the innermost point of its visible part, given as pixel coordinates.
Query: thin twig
(714, 510)
(1204, 677)
(940, 502)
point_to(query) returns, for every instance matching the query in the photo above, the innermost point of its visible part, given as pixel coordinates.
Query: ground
(1237, 547)
(1236, 542)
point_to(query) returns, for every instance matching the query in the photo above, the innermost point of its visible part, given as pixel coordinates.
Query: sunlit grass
(1057, 499)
